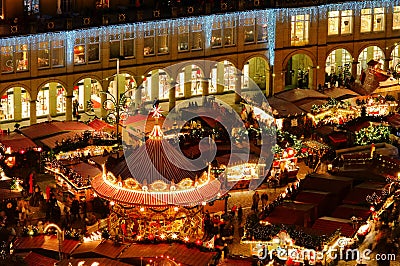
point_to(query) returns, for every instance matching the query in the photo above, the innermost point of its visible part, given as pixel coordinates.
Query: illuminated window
(7, 105)
(115, 45)
(163, 85)
(162, 41)
(57, 53)
(372, 19)
(229, 33)
(368, 54)
(346, 23)
(196, 35)
(262, 30)
(149, 43)
(14, 58)
(42, 103)
(94, 49)
(31, 6)
(21, 57)
(7, 59)
(216, 37)
(340, 22)
(79, 51)
(299, 30)
(44, 55)
(183, 38)
(333, 22)
(396, 18)
(249, 30)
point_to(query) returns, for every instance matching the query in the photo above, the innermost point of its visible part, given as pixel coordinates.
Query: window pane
(162, 41)
(379, 19)
(129, 47)
(216, 37)
(262, 33)
(249, 30)
(347, 22)
(58, 53)
(44, 55)
(115, 49)
(197, 37)
(21, 57)
(396, 18)
(79, 51)
(183, 38)
(149, 40)
(229, 31)
(93, 49)
(299, 29)
(333, 22)
(366, 18)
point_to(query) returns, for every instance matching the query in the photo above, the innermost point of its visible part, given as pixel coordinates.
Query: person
(256, 199)
(75, 106)
(240, 214)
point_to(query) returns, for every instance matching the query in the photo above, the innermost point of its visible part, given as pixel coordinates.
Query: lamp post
(117, 106)
(60, 237)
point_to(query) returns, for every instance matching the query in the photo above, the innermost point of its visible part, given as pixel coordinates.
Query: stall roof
(328, 225)
(44, 129)
(307, 105)
(45, 242)
(179, 252)
(296, 95)
(91, 261)
(16, 141)
(85, 169)
(340, 93)
(100, 125)
(51, 141)
(284, 108)
(105, 248)
(34, 259)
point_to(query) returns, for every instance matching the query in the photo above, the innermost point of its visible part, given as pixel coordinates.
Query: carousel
(152, 198)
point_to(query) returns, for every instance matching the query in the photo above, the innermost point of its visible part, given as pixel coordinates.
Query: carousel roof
(148, 176)
(189, 197)
(156, 160)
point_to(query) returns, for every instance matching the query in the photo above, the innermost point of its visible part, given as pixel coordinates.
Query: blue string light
(137, 30)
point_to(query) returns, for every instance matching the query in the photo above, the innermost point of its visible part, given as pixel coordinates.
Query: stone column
(17, 104)
(188, 82)
(53, 99)
(32, 111)
(155, 85)
(204, 88)
(68, 107)
(87, 92)
(238, 88)
(220, 78)
(172, 96)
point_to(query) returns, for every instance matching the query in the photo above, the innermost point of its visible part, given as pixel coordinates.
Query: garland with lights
(372, 134)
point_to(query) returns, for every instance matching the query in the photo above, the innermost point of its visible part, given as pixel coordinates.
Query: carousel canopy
(156, 160)
(148, 176)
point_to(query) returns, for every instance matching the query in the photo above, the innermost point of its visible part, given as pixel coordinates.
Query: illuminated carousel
(153, 198)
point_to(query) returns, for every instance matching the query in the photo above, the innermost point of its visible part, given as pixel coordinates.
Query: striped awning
(188, 197)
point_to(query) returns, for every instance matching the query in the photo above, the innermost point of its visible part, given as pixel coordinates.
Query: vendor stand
(240, 175)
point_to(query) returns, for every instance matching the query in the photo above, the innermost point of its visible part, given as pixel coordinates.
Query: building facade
(277, 48)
